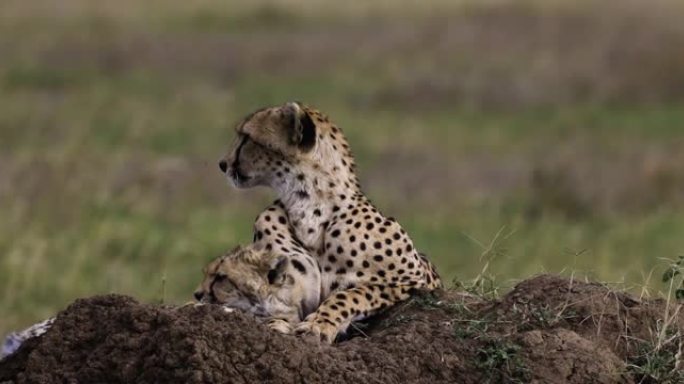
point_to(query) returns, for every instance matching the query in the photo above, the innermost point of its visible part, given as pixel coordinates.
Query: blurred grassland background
(549, 132)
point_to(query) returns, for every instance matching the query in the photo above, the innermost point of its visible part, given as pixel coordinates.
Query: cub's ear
(276, 275)
(301, 128)
(235, 250)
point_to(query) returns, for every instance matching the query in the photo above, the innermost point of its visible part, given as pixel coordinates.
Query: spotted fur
(367, 261)
(273, 278)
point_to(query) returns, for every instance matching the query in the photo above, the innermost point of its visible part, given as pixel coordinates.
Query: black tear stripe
(212, 296)
(236, 163)
(299, 266)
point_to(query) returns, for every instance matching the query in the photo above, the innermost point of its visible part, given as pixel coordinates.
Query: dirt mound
(548, 329)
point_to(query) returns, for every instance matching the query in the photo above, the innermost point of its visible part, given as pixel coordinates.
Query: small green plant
(162, 293)
(547, 317)
(673, 276)
(468, 329)
(662, 360)
(501, 363)
(543, 316)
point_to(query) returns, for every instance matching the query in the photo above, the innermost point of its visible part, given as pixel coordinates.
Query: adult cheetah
(366, 260)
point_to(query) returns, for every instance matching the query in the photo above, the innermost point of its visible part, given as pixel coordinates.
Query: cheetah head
(270, 143)
(251, 280)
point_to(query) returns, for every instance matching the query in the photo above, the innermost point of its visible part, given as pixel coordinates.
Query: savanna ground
(548, 329)
(509, 139)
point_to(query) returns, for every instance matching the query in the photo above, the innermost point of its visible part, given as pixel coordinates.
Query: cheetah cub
(367, 261)
(270, 286)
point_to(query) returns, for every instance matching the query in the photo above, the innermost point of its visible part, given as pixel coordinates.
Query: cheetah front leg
(337, 312)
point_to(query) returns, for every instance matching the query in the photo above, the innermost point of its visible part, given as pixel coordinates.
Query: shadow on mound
(548, 329)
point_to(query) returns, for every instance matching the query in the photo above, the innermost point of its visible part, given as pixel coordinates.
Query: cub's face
(249, 280)
(269, 143)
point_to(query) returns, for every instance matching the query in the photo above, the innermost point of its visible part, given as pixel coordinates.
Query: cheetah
(367, 261)
(280, 289)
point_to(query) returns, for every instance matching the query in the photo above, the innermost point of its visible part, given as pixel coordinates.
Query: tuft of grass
(485, 283)
(660, 360)
(501, 363)
(470, 328)
(674, 276)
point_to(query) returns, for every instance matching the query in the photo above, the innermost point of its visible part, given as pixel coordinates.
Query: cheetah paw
(317, 329)
(281, 326)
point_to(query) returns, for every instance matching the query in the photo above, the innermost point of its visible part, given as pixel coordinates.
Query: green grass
(108, 180)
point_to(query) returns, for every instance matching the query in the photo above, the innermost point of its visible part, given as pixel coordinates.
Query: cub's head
(251, 280)
(269, 143)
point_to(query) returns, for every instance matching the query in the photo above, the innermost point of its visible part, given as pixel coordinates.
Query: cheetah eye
(259, 145)
(220, 277)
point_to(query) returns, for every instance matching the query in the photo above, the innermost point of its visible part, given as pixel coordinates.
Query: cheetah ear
(276, 275)
(301, 128)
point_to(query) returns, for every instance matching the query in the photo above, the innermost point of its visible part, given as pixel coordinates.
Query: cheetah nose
(223, 165)
(199, 295)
